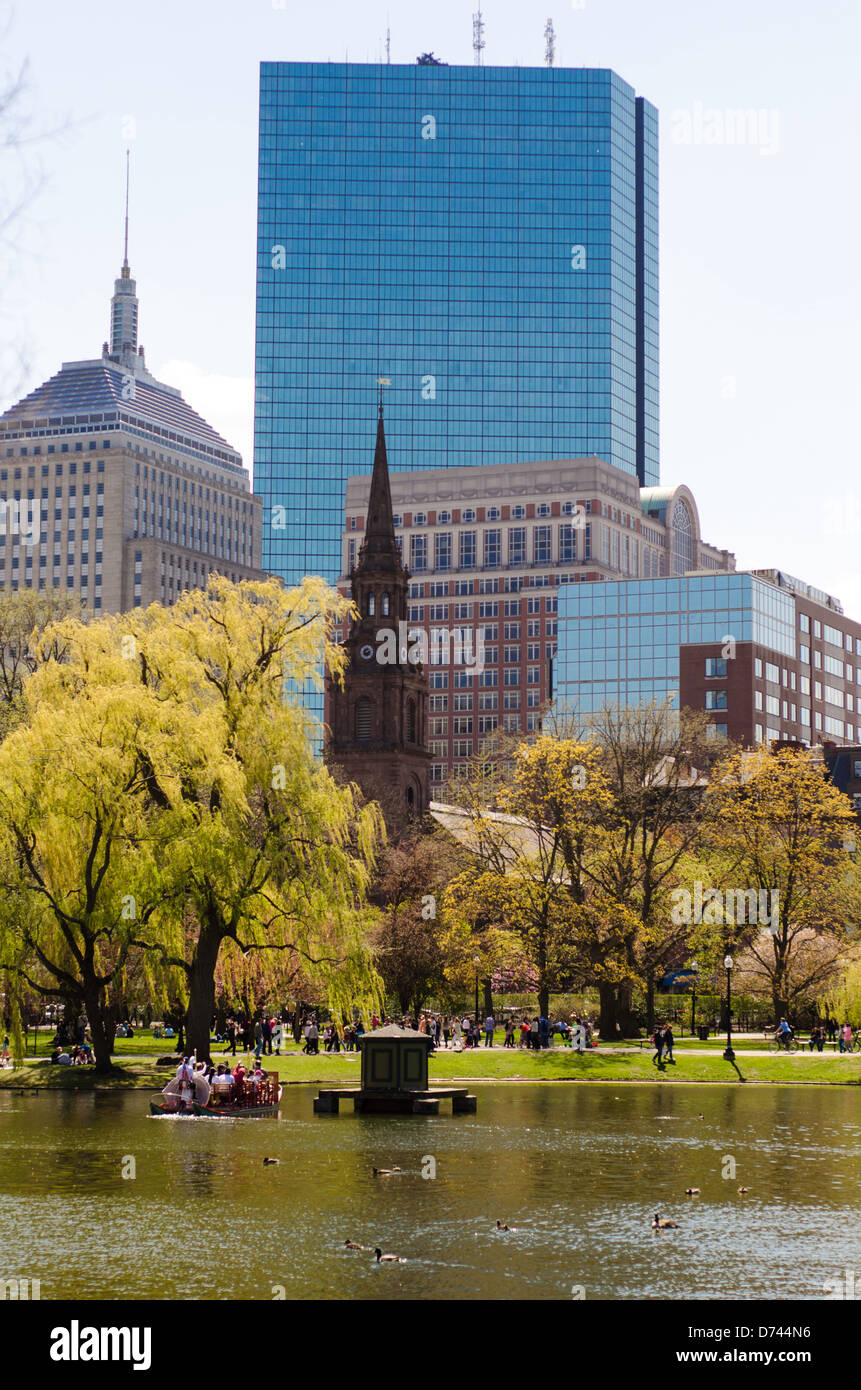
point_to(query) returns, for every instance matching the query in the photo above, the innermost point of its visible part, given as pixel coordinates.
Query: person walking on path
(509, 1033)
(846, 1037)
(658, 1044)
(669, 1040)
(489, 1025)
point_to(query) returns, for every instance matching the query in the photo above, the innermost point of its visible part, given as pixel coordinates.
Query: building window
(467, 550)
(384, 606)
(517, 545)
(683, 538)
(492, 549)
(363, 720)
(541, 553)
(372, 603)
(715, 667)
(567, 542)
(442, 551)
(418, 553)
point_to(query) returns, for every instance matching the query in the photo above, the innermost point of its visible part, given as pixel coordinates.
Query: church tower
(378, 720)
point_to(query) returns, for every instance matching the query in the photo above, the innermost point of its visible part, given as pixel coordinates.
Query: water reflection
(577, 1170)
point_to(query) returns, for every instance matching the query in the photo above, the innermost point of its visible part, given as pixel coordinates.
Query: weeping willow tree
(79, 879)
(228, 832)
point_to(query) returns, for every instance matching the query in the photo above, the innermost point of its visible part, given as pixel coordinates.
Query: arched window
(411, 800)
(363, 720)
(371, 606)
(411, 721)
(384, 606)
(683, 538)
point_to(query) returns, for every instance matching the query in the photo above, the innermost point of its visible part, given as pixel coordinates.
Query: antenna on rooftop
(126, 241)
(388, 41)
(477, 37)
(549, 43)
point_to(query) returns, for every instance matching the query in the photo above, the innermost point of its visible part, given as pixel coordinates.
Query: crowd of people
(451, 1032)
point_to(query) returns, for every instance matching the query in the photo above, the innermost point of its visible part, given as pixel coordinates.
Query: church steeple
(124, 306)
(379, 553)
(378, 718)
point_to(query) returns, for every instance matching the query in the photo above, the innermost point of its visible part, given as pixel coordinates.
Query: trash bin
(702, 1032)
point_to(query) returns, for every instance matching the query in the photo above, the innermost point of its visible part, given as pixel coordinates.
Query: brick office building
(487, 548)
(112, 488)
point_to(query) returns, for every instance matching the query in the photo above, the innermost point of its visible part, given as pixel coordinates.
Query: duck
(352, 1245)
(388, 1259)
(743, 1189)
(692, 1192)
(386, 1172)
(501, 1226)
(268, 1161)
(663, 1223)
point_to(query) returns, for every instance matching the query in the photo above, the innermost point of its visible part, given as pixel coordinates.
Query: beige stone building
(114, 489)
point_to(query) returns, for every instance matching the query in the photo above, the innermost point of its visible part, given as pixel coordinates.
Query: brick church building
(378, 720)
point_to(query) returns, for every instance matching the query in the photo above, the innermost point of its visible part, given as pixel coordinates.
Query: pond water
(577, 1170)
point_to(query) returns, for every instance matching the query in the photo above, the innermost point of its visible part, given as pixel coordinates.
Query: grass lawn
(494, 1064)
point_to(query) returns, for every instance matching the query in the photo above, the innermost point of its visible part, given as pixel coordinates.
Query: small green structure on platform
(395, 1078)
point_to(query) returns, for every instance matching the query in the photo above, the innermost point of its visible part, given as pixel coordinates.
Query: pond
(577, 1170)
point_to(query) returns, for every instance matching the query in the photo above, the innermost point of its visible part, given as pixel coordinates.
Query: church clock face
(366, 652)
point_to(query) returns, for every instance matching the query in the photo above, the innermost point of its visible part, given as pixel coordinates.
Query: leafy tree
(408, 942)
(24, 618)
(776, 826)
(223, 825)
(78, 855)
(531, 876)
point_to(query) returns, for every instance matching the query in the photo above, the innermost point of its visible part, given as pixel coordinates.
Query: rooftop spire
(124, 305)
(379, 550)
(126, 271)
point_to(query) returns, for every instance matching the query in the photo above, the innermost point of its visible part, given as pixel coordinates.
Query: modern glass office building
(483, 238)
(620, 643)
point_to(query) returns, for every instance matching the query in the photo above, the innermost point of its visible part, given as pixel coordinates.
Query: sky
(760, 296)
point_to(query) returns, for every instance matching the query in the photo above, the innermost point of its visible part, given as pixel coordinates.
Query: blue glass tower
(486, 239)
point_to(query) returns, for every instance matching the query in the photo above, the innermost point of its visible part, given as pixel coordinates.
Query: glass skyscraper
(619, 643)
(486, 240)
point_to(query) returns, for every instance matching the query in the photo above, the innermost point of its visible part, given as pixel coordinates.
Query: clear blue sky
(759, 257)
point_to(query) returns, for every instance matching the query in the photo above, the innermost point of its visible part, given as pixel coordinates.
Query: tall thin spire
(126, 271)
(123, 347)
(379, 552)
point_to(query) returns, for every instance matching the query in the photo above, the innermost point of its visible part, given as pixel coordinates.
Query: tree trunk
(608, 1028)
(650, 1005)
(201, 990)
(488, 999)
(544, 1001)
(102, 1029)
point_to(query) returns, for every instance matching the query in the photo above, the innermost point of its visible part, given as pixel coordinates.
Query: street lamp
(695, 968)
(729, 1055)
(476, 960)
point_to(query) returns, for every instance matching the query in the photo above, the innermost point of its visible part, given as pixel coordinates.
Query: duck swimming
(388, 1259)
(352, 1245)
(662, 1223)
(692, 1192)
(267, 1161)
(386, 1172)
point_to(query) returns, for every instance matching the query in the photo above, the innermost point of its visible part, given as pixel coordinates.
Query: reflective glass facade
(486, 239)
(619, 643)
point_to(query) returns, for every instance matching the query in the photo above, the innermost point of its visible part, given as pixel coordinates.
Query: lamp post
(476, 960)
(695, 968)
(729, 1055)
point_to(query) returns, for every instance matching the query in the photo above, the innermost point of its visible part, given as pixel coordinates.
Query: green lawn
(489, 1064)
